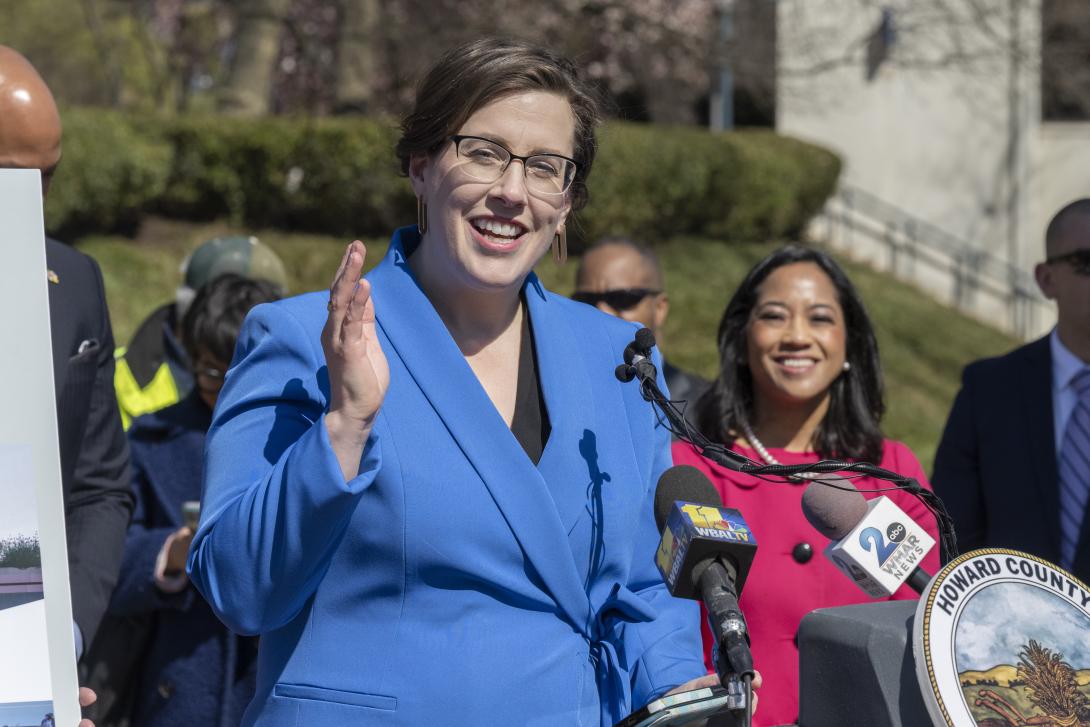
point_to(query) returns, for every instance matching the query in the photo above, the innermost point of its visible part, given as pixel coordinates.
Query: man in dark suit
(623, 278)
(1013, 465)
(93, 450)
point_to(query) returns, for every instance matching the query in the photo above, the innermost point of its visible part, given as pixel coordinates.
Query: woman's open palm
(358, 372)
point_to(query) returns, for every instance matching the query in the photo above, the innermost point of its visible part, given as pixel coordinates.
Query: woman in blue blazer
(426, 491)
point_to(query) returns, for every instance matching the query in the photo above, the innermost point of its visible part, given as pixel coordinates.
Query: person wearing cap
(153, 371)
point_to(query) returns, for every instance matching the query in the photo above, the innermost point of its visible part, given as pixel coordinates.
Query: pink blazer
(790, 577)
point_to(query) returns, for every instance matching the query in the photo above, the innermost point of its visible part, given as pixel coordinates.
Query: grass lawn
(924, 345)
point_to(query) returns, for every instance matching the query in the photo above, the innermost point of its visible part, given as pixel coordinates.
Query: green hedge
(110, 173)
(339, 176)
(331, 176)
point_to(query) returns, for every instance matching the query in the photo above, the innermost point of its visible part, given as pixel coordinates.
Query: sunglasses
(619, 299)
(1078, 259)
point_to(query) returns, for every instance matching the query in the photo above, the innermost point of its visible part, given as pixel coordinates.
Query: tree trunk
(356, 55)
(257, 43)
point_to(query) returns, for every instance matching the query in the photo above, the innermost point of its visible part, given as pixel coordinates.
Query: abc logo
(896, 532)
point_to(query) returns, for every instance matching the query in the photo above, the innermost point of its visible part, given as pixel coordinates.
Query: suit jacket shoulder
(995, 466)
(999, 370)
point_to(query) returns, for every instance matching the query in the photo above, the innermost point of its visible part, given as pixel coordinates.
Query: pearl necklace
(760, 449)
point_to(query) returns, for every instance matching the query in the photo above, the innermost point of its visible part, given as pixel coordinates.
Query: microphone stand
(733, 660)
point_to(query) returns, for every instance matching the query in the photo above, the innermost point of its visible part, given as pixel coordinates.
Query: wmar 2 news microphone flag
(874, 542)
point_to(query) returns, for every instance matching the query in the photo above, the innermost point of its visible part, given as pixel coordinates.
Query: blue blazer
(452, 581)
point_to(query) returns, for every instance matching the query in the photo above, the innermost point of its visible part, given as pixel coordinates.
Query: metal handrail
(972, 269)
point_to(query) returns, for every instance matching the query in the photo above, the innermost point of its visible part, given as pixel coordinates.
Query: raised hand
(358, 372)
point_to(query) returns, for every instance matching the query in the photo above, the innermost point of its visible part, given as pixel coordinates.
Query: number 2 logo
(873, 537)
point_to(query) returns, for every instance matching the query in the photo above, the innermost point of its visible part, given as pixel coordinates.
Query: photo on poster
(25, 686)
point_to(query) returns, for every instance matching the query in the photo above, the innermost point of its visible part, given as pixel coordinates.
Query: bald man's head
(619, 253)
(623, 278)
(1069, 229)
(30, 127)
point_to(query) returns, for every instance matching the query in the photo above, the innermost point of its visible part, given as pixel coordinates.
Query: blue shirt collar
(1065, 365)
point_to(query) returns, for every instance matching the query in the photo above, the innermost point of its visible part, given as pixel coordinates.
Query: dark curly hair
(850, 428)
(471, 76)
(215, 317)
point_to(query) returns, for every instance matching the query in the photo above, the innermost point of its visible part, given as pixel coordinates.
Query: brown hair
(471, 76)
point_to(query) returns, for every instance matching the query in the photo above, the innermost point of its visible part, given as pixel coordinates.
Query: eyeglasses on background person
(487, 161)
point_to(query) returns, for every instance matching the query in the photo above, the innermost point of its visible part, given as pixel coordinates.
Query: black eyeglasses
(618, 299)
(1077, 259)
(487, 160)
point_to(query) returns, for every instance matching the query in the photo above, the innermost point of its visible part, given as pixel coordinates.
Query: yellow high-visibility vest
(133, 400)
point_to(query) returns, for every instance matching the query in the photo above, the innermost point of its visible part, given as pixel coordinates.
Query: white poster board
(37, 644)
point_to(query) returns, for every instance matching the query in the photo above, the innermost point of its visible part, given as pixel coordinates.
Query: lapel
(423, 344)
(1036, 395)
(569, 401)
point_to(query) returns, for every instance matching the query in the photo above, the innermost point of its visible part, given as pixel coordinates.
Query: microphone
(705, 554)
(874, 543)
(645, 341)
(637, 358)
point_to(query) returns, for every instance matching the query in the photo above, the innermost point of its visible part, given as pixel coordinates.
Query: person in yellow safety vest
(154, 371)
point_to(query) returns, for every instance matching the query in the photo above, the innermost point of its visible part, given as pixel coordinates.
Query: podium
(856, 667)
(997, 637)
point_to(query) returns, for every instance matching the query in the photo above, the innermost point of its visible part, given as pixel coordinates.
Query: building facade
(955, 155)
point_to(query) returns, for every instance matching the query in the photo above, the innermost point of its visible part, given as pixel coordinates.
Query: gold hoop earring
(560, 247)
(421, 215)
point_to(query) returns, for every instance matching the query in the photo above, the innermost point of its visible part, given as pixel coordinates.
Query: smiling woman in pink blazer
(799, 381)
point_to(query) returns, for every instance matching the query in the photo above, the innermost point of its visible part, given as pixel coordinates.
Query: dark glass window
(1065, 60)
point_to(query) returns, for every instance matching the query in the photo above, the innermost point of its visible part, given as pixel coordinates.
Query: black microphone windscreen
(645, 340)
(683, 482)
(833, 511)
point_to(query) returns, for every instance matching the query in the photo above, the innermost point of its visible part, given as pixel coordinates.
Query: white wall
(948, 130)
(1060, 170)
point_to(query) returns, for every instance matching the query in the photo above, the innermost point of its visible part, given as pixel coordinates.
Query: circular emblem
(896, 532)
(1003, 638)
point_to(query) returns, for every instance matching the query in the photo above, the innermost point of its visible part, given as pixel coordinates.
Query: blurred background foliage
(654, 59)
(340, 176)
